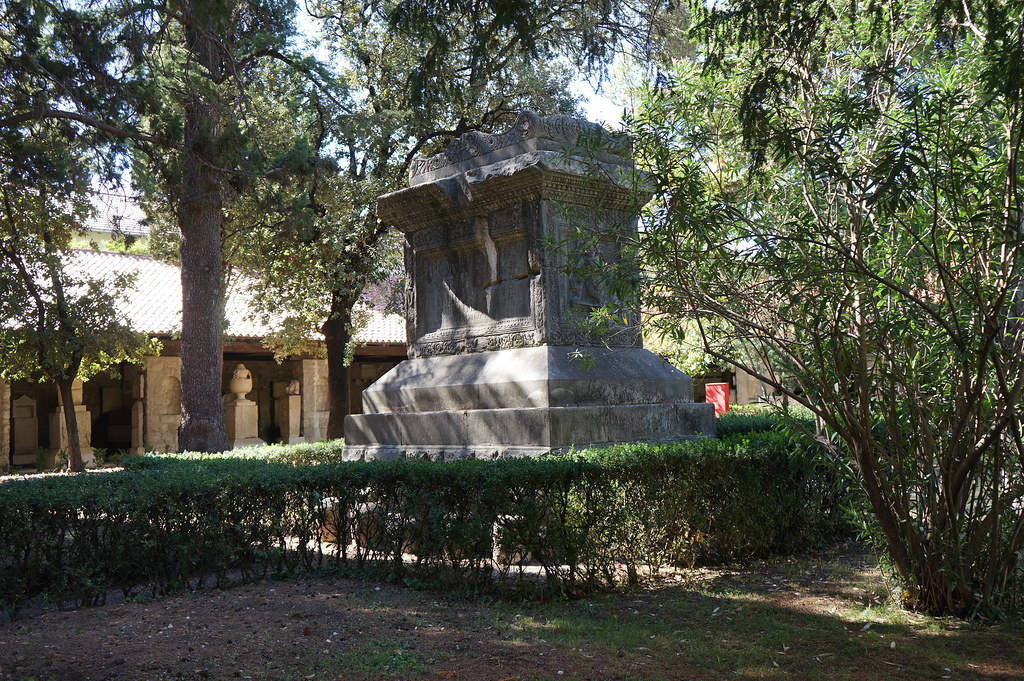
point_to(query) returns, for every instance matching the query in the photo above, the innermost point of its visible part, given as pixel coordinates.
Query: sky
(597, 106)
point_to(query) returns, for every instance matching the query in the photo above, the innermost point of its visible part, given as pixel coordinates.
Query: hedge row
(583, 521)
(304, 453)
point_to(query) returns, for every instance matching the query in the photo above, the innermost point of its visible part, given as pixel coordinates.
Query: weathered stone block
(5, 424)
(289, 417)
(59, 437)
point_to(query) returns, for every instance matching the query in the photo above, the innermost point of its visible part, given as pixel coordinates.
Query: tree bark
(336, 337)
(71, 423)
(199, 218)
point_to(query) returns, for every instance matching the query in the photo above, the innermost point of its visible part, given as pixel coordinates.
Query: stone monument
(59, 428)
(498, 364)
(241, 416)
(137, 380)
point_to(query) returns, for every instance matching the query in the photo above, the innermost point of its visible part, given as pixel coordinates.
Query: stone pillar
(162, 403)
(241, 415)
(59, 430)
(288, 410)
(499, 363)
(315, 405)
(5, 424)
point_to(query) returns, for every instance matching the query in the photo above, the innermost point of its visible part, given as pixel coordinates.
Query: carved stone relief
(472, 283)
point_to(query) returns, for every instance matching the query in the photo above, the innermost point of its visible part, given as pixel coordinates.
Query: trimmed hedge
(303, 453)
(587, 520)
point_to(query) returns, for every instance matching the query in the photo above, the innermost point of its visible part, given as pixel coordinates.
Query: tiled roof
(154, 306)
(116, 214)
(379, 327)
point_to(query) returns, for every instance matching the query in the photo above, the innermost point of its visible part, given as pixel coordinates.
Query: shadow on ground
(804, 619)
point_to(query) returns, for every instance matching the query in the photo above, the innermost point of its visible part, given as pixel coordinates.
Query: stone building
(137, 408)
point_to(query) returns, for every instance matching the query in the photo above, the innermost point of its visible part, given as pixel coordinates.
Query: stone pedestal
(499, 364)
(59, 430)
(288, 411)
(25, 427)
(315, 403)
(241, 416)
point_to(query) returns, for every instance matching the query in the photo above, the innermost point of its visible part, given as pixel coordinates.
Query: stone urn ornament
(241, 416)
(241, 382)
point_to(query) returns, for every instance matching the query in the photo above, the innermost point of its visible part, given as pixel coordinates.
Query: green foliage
(588, 519)
(57, 323)
(838, 187)
(684, 345)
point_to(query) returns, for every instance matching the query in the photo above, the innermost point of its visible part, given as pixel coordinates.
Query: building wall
(750, 389)
(363, 374)
(45, 396)
(141, 407)
(108, 398)
(269, 379)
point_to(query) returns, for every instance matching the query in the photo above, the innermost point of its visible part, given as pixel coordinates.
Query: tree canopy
(838, 186)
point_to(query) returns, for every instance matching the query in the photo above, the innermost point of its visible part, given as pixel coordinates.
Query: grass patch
(802, 618)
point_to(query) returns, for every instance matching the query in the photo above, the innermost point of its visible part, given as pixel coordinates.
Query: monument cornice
(530, 133)
(535, 175)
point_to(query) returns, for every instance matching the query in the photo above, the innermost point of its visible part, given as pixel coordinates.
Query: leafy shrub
(588, 519)
(303, 453)
(734, 422)
(761, 418)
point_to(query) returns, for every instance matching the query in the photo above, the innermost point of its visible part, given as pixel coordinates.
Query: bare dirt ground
(798, 619)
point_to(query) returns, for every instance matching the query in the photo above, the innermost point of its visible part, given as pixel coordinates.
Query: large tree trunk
(336, 337)
(71, 423)
(199, 218)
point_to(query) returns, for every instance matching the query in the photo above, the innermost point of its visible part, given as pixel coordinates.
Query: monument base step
(439, 452)
(507, 433)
